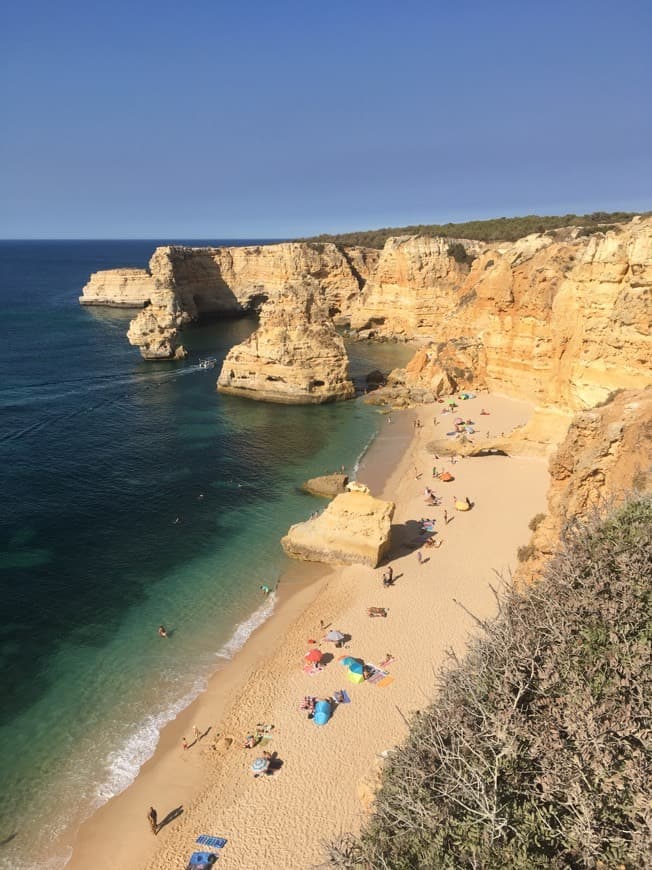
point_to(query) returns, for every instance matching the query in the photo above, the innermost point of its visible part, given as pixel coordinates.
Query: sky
(276, 119)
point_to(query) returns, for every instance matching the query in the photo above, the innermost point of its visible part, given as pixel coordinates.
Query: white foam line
(362, 454)
(123, 765)
(244, 631)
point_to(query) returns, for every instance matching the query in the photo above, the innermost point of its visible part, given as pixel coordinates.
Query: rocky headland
(296, 355)
(559, 318)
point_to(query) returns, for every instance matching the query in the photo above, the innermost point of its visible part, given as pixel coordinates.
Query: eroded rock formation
(434, 371)
(295, 356)
(413, 288)
(155, 330)
(607, 453)
(227, 281)
(558, 318)
(563, 318)
(354, 528)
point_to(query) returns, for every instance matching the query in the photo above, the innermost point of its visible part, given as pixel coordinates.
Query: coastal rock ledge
(355, 528)
(295, 357)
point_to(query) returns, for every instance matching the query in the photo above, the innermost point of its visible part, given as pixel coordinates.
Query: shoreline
(263, 680)
(299, 585)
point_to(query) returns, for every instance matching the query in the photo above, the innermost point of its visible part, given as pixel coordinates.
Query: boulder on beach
(354, 528)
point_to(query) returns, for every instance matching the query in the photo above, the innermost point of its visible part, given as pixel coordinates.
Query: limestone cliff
(228, 281)
(563, 319)
(295, 356)
(354, 528)
(434, 371)
(607, 453)
(413, 287)
(119, 288)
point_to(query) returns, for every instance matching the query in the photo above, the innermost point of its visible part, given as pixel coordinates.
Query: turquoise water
(101, 453)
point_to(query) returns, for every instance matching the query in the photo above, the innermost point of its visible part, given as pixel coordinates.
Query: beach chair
(211, 842)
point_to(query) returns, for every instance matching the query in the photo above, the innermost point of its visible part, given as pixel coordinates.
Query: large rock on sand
(354, 528)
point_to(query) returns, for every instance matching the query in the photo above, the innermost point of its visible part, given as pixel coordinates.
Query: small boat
(208, 363)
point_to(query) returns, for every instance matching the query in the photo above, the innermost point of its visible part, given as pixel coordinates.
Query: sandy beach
(323, 775)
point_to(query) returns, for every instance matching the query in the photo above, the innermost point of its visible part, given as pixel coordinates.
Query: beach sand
(322, 783)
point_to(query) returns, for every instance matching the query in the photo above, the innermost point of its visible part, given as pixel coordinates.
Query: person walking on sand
(445, 517)
(420, 557)
(184, 742)
(152, 818)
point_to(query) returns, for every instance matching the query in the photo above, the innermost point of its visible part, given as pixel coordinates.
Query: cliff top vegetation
(495, 230)
(534, 753)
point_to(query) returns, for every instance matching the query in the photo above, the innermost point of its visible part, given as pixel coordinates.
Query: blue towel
(213, 842)
(201, 860)
(345, 696)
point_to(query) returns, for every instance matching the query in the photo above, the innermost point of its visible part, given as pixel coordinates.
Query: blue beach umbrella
(347, 661)
(259, 765)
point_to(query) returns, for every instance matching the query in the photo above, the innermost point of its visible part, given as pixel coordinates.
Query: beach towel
(385, 682)
(213, 842)
(377, 675)
(310, 669)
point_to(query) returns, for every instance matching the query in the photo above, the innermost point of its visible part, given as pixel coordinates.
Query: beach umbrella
(347, 661)
(335, 636)
(322, 713)
(314, 655)
(259, 765)
(356, 667)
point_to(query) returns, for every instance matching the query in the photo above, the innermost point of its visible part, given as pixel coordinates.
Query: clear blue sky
(275, 118)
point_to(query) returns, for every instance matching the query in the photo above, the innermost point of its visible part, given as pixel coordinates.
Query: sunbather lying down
(377, 611)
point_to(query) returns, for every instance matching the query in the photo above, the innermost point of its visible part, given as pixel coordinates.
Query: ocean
(133, 495)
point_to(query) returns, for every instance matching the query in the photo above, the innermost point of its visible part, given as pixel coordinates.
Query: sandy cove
(283, 820)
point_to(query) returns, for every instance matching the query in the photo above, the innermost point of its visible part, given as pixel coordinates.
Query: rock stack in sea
(155, 330)
(296, 355)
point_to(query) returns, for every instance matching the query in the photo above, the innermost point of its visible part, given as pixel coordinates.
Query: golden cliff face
(295, 356)
(605, 455)
(559, 319)
(563, 320)
(413, 288)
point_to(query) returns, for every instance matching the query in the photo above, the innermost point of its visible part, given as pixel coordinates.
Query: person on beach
(152, 818)
(184, 742)
(445, 517)
(420, 557)
(196, 732)
(162, 631)
(265, 589)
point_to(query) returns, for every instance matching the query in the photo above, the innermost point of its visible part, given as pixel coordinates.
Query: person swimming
(162, 631)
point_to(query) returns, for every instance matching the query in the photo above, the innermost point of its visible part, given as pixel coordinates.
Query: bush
(534, 754)
(458, 252)
(494, 230)
(535, 522)
(525, 553)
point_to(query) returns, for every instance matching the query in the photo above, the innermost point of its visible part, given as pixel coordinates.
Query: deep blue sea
(100, 453)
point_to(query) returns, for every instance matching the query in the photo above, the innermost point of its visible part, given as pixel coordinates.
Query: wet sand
(283, 819)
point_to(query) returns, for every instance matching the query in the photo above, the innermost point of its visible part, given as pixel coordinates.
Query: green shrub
(458, 252)
(534, 754)
(535, 522)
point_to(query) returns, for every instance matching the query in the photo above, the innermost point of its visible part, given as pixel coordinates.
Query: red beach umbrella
(314, 655)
